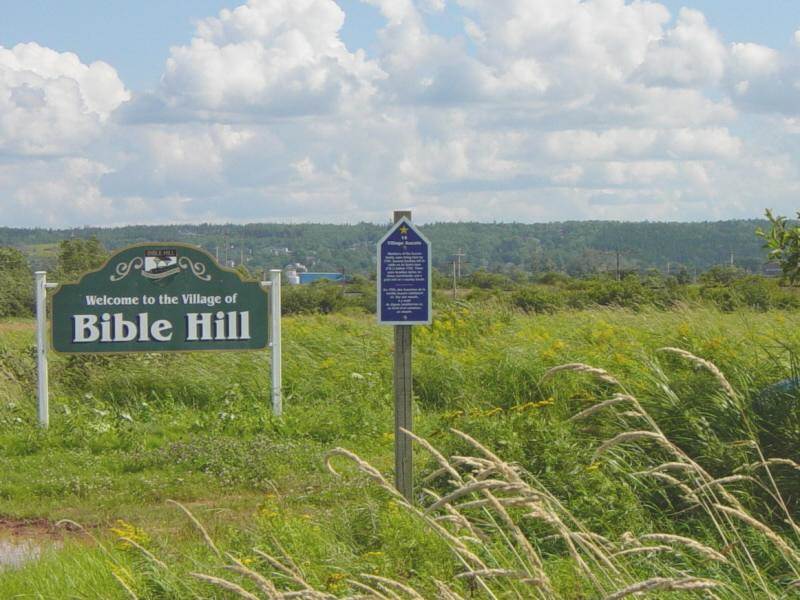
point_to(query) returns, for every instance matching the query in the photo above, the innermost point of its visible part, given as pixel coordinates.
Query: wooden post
(403, 419)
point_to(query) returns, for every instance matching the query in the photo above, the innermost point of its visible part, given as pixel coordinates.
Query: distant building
(306, 278)
(291, 271)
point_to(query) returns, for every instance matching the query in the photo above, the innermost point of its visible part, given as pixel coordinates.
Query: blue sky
(135, 37)
(340, 110)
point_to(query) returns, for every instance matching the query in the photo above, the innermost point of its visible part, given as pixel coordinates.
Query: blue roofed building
(306, 278)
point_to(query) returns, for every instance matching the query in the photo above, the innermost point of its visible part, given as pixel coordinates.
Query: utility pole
(457, 270)
(458, 256)
(618, 273)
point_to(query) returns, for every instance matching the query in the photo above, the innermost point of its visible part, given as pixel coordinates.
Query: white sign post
(275, 341)
(42, 392)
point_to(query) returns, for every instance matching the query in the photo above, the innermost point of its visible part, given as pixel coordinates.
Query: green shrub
(553, 278)
(721, 275)
(16, 284)
(536, 300)
(487, 281)
(751, 291)
(724, 298)
(319, 297)
(627, 293)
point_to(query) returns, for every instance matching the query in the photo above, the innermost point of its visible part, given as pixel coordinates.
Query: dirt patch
(15, 325)
(22, 541)
(30, 528)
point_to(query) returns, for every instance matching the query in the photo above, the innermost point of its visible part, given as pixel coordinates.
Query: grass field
(129, 433)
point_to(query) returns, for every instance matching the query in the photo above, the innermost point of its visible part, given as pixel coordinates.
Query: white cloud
(582, 43)
(754, 60)
(689, 54)
(433, 6)
(44, 192)
(52, 103)
(545, 110)
(637, 143)
(270, 57)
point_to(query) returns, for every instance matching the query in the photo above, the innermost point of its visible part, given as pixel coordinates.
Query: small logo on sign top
(160, 263)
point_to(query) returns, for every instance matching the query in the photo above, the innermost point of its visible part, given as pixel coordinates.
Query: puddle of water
(24, 541)
(15, 553)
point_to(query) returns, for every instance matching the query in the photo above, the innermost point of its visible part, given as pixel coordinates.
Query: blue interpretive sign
(404, 276)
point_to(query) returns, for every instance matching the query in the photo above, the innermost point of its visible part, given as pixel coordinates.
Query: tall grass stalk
(508, 532)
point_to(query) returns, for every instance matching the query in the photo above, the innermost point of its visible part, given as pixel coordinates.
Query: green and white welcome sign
(159, 298)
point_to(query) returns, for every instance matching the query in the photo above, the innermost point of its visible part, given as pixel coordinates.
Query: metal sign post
(42, 390)
(404, 299)
(159, 298)
(275, 340)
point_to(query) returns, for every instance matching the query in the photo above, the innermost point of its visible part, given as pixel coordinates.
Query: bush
(751, 291)
(321, 297)
(553, 278)
(627, 293)
(724, 298)
(16, 284)
(536, 300)
(488, 281)
(720, 275)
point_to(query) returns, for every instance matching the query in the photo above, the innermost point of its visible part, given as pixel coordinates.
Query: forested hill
(576, 247)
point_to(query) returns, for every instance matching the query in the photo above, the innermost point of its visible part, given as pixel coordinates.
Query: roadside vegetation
(129, 433)
(577, 438)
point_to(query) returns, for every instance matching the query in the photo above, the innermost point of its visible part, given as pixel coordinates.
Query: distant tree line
(575, 248)
(536, 268)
